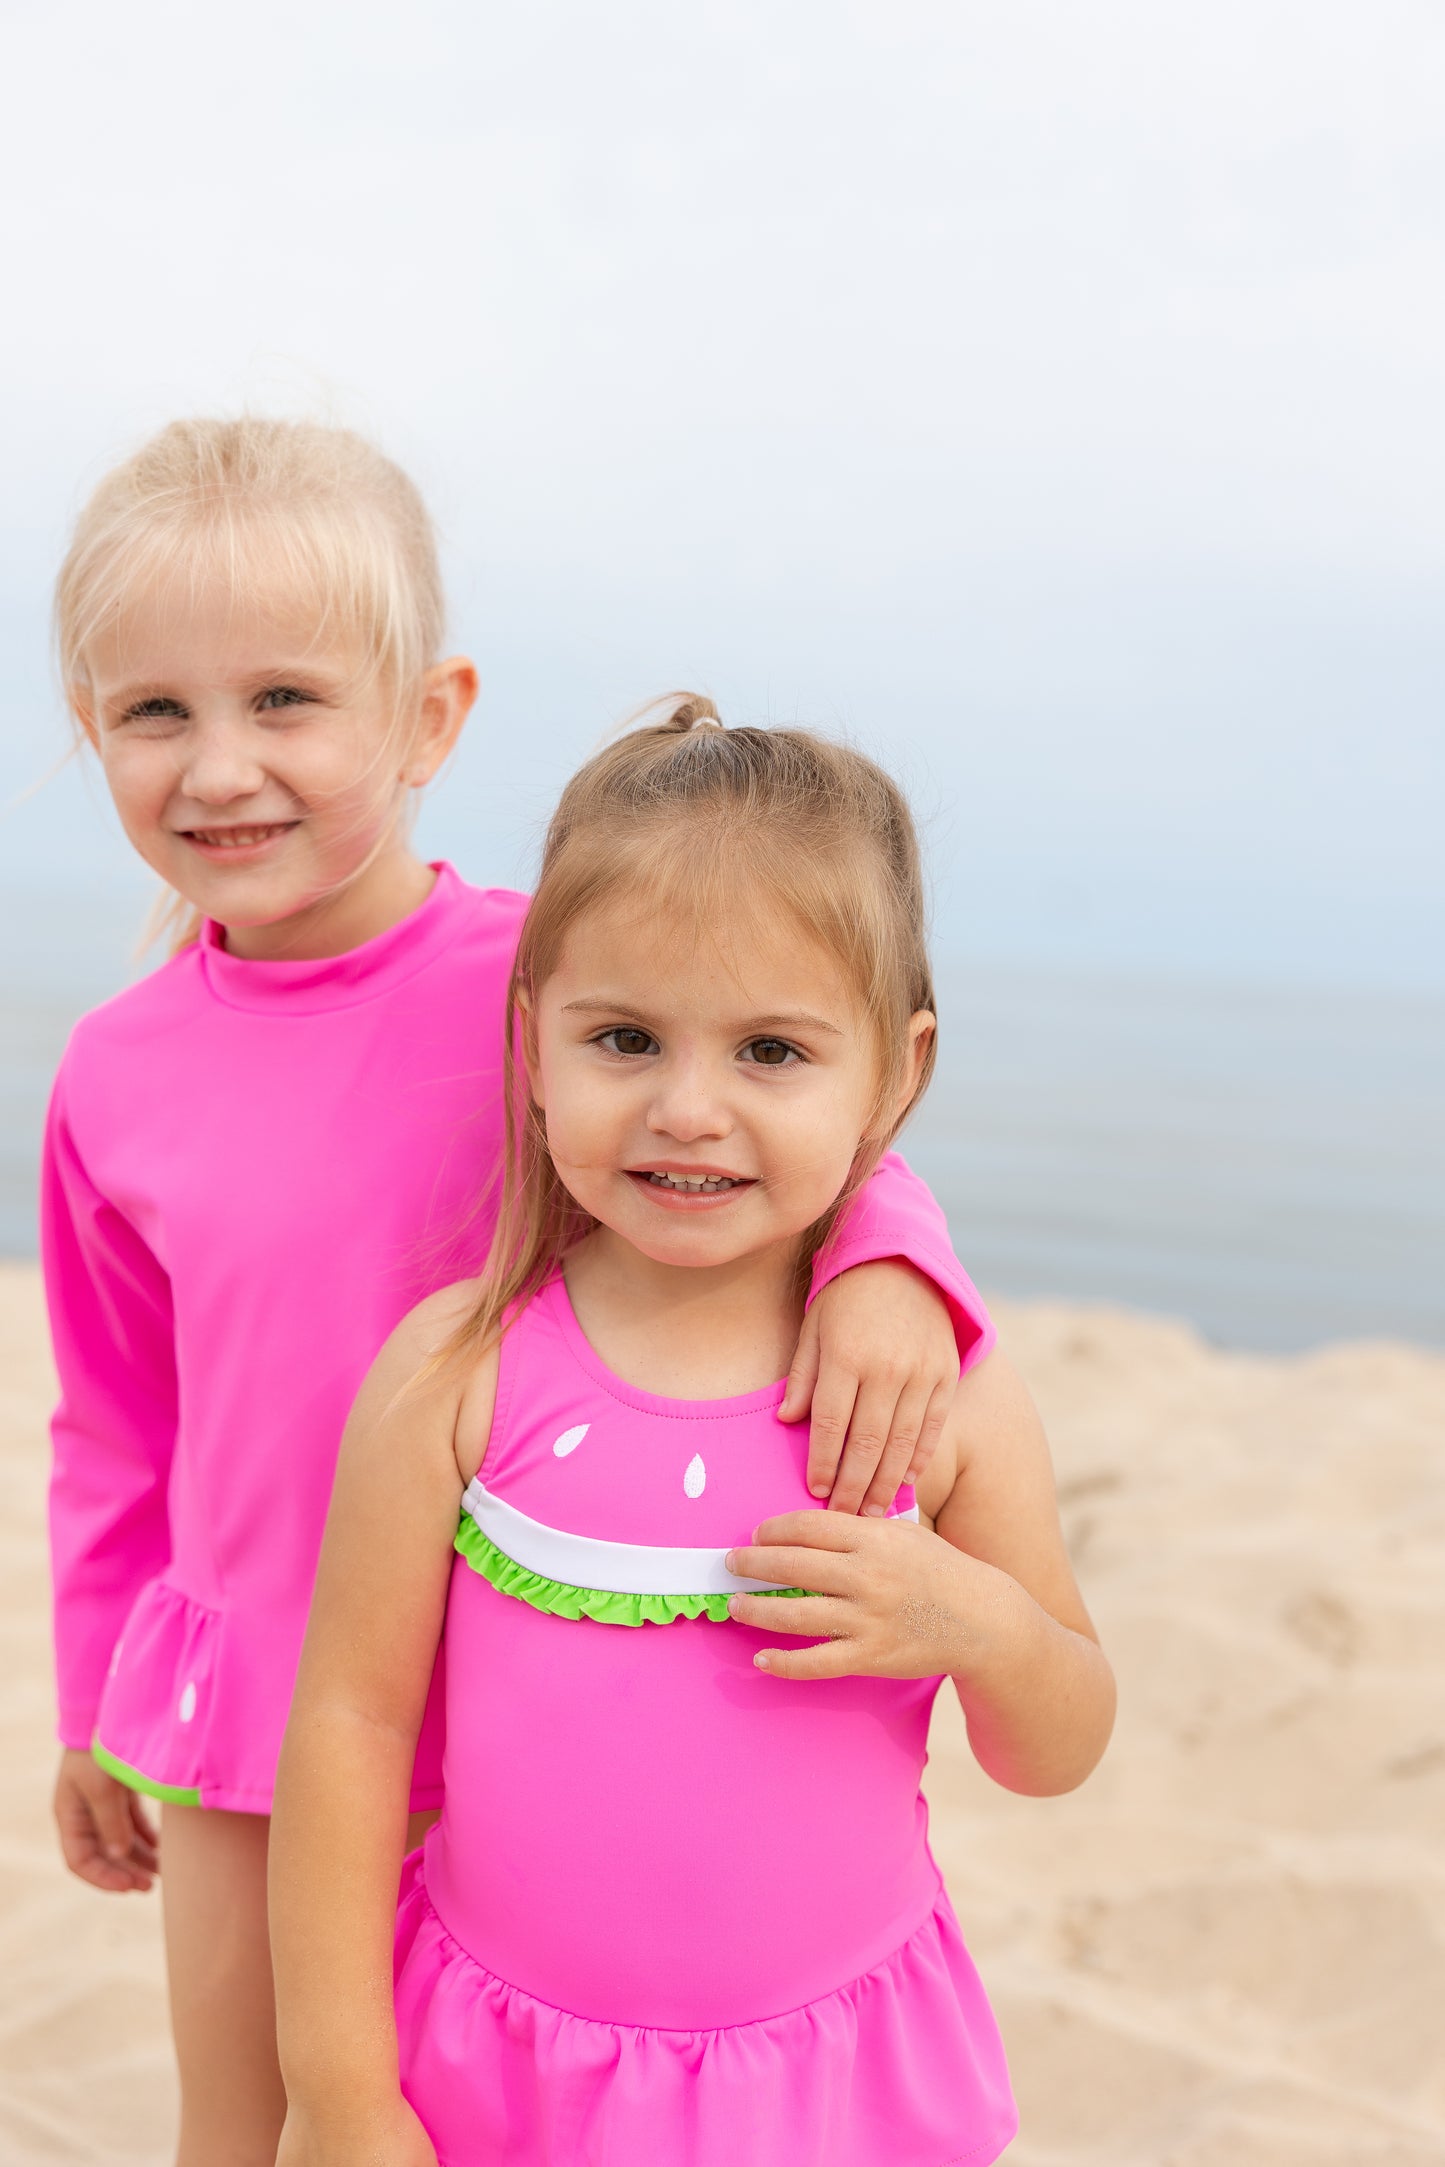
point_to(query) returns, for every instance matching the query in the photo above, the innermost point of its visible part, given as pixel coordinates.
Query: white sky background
(1049, 395)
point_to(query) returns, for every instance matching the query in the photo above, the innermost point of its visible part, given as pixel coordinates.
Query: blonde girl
(263, 1154)
(680, 1904)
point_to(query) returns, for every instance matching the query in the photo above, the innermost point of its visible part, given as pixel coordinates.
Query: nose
(688, 1102)
(218, 762)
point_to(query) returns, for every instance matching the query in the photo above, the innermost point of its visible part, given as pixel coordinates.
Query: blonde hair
(688, 817)
(313, 510)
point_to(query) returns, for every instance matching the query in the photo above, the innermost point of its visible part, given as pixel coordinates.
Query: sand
(1227, 1950)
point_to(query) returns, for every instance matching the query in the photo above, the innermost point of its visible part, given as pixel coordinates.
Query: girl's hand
(106, 1834)
(877, 1364)
(383, 2135)
(892, 1600)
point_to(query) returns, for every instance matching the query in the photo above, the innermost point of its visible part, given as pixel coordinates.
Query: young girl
(680, 1905)
(261, 1156)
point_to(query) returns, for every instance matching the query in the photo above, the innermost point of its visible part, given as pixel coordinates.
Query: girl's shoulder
(993, 1424)
(117, 1045)
(494, 913)
(425, 1366)
(159, 1001)
(421, 1343)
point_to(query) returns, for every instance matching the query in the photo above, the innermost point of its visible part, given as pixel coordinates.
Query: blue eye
(627, 1039)
(160, 709)
(286, 696)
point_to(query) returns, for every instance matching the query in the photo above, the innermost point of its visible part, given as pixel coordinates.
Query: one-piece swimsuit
(676, 1913)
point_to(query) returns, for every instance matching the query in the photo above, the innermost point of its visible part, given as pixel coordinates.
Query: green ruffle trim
(170, 1794)
(609, 1606)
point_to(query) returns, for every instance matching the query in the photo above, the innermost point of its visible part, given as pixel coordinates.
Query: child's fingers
(105, 1834)
(811, 1569)
(808, 1530)
(834, 1398)
(110, 1809)
(85, 1856)
(75, 1824)
(80, 1850)
(118, 1876)
(805, 1617)
(81, 1844)
(899, 1451)
(867, 1435)
(831, 1659)
(931, 1428)
(803, 1375)
(145, 1842)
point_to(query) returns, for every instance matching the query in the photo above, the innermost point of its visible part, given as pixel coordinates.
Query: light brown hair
(687, 817)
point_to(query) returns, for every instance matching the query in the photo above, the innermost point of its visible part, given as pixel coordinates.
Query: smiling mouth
(692, 1184)
(237, 838)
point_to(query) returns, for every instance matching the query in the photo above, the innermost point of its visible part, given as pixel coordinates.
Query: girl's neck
(682, 1333)
(359, 911)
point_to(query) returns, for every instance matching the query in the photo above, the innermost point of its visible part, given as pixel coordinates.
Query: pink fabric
(503, 2078)
(253, 1170)
(659, 1870)
(624, 1481)
(896, 1216)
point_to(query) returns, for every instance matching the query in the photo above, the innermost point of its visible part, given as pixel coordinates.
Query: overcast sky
(1049, 395)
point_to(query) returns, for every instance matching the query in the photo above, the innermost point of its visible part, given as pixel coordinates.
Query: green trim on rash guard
(170, 1794)
(608, 1606)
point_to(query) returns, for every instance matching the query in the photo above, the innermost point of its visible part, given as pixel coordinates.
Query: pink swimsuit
(253, 1171)
(676, 1913)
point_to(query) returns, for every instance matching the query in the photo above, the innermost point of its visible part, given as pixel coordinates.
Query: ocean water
(1269, 1164)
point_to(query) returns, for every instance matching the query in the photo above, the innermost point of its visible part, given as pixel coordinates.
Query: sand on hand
(1227, 1950)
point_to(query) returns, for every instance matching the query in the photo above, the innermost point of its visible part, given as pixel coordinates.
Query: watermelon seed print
(570, 1440)
(695, 1479)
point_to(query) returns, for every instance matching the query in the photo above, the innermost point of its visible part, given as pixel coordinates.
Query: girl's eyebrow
(144, 688)
(281, 673)
(797, 1020)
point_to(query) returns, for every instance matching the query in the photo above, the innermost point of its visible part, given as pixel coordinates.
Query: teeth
(236, 838)
(692, 1183)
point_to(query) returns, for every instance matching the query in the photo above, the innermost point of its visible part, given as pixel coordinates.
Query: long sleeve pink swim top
(252, 1171)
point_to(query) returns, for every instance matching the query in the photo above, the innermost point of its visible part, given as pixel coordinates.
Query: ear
(889, 1112)
(79, 697)
(448, 690)
(922, 1029)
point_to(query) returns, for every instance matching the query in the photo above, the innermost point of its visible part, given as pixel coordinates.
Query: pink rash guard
(252, 1172)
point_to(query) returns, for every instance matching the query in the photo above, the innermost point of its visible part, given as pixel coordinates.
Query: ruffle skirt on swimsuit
(899, 2068)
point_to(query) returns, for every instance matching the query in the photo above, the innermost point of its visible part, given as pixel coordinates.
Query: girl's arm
(893, 1319)
(339, 1830)
(114, 1437)
(986, 1596)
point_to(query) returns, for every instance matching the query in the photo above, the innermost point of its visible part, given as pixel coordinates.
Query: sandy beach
(1228, 1950)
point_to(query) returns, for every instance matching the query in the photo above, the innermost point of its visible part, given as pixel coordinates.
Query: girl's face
(248, 768)
(703, 1103)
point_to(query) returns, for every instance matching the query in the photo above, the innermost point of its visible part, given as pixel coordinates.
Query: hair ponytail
(694, 711)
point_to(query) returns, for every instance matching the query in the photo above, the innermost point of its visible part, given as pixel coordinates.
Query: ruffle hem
(902, 2067)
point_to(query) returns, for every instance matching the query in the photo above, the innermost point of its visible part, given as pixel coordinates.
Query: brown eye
(626, 1040)
(772, 1052)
